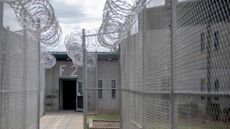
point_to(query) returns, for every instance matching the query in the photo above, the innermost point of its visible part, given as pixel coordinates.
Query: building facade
(64, 89)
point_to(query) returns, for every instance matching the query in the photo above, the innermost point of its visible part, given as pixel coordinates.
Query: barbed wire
(91, 61)
(118, 18)
(73, 44)
(47, 59)
(28, 12)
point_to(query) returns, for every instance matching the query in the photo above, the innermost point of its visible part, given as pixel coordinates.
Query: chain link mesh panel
(19, 77)
(201, 63)
(174, 70)
(103, 95)
(145, 60)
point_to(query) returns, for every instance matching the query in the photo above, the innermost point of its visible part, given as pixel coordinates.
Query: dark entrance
(69, 94)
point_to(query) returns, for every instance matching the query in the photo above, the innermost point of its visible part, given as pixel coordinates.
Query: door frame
(60, 96)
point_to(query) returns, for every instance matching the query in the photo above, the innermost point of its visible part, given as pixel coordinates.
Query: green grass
(115, 116)
(193, 125)
(204, 125)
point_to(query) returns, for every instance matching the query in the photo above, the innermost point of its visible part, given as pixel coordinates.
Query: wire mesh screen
(201, 63)
(19, 77)
(102, 91)
(175, 69)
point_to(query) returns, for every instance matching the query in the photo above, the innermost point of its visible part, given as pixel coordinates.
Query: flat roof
(102, 56)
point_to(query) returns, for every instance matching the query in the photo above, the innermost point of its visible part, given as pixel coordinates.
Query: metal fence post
(143, 64)
(96, 78)
(5, 78)
(1, 54)
(39, 73)
(85, 108)
(120, 89)
(24, 76)
(171, 86)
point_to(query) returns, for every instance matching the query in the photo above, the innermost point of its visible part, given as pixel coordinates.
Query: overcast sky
(78, 14)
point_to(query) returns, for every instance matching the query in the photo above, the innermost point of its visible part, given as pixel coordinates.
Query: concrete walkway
(62, 120)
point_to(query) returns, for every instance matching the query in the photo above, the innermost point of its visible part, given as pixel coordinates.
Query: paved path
(62, 120)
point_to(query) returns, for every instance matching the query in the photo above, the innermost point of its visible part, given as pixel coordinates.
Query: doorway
(68, 91)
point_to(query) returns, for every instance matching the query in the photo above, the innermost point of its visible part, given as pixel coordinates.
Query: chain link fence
(103, 96)
(175, 68)
(19, 78)
(173, 72)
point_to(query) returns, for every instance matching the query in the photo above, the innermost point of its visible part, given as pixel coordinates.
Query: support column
(96, 85)
(85, 98)
(1, 62)
(39, 71)
(171, 4)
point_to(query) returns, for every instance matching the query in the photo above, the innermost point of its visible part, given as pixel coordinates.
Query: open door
(79, 96)
(68, 94)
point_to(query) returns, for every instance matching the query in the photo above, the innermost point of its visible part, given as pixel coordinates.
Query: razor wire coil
(118, 18)
(28, 12)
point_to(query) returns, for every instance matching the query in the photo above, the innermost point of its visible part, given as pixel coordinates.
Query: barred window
(100, 89)
(202, 83)
(202, 42)
(113, 86)
(217, 85)
(216, 40)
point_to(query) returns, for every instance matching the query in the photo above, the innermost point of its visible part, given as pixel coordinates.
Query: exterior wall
(52, 82)
(107, 70)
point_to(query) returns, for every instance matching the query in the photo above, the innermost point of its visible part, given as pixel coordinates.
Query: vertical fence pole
(24, 76)
(1, 54)
(143, 31)
(39, 74)
(172, 16)
(120, 89)
(209, 66)
(85, 108)
(6, 95)
(96, 78)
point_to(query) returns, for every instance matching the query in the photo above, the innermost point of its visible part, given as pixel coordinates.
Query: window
(216, 88)
(216, 40)
(202, 43)
(202, 83)
(217, 85)
(113, 86)
(202, 98)
(100, 89)
(217, 98)
(80, 89)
